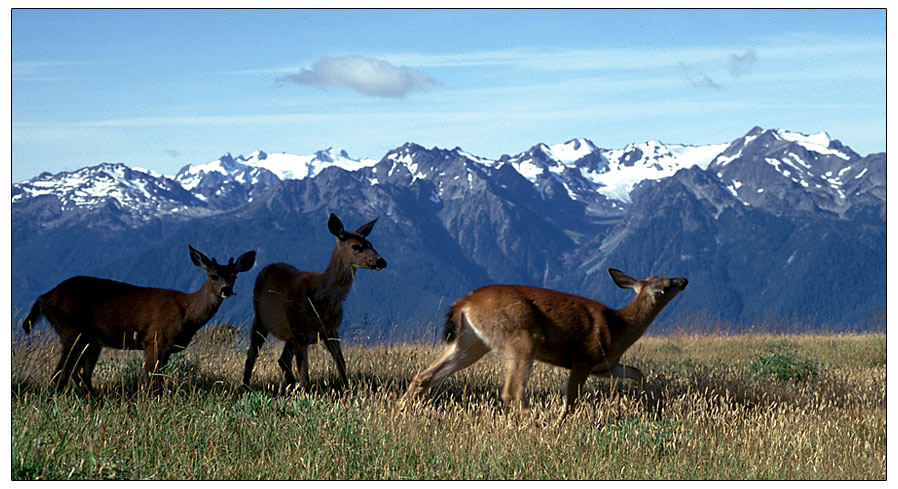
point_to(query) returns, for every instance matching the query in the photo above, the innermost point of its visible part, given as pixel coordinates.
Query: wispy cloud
(697, 79)
(785, 47)
(590, 59)
(172, 153)
(740, 65)
(369, 76)
(29, 68)
(52, 70)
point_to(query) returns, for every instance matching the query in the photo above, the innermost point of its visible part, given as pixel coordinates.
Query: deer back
(560, 326)
(122, 315)
(116, 313)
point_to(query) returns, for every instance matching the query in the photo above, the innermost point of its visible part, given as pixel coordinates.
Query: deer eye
(357, 247)
(214, 277)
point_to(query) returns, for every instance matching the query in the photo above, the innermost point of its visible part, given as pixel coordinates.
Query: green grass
(715, 407)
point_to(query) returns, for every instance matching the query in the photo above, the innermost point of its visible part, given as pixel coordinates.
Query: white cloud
(369, 76)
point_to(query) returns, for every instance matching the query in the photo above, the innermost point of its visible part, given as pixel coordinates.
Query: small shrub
(784, 366)
(129, 370)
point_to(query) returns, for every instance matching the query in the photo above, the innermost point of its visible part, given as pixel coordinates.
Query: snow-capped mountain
(585, 172)
(134, 195)
(762, 168)
(760, 162)
(282, 165)
(790, 171)
(93, 185)
(732, 217)
(584, 169)
(287, 166)
(229, 182)
(651, 160)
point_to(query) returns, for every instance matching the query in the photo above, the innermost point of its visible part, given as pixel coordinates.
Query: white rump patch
(475, 329)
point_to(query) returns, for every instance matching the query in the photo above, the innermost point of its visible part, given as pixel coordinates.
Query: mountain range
(774, 229)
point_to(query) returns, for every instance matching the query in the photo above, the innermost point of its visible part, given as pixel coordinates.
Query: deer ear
(335, 226)
(365, 229)
(622, 280)
(199, 259)
(245, 261)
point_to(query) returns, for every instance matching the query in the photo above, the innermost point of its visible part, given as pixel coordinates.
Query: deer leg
(256, 339)
(155, 361)
(333, 346)
(464, 351)
(86, 367)
(57, 377)
(518, 365)
(286, 363)
(621, 371)
(72, 349)
(579, 374)
(150, 361)
(302, 364)
(517, 372)
(628, 372)
(650, 396)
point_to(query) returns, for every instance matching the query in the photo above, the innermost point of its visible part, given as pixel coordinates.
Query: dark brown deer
(89, 313)
(527, 323)
(303, 308)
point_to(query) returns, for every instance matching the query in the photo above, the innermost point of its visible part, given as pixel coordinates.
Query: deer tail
(453, 319)
(33, 317)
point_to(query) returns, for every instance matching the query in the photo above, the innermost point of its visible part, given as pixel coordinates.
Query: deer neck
(637, 316)
(334, 284)
(201, 306)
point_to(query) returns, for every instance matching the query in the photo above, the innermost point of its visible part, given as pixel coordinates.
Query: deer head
(660, 290)
(222, 277)
(354, 246)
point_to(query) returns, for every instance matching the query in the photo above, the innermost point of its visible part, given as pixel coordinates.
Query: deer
(89, 313)
(303, 308)
(526, 323)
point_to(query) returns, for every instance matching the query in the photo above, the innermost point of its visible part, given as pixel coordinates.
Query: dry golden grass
(715, 407)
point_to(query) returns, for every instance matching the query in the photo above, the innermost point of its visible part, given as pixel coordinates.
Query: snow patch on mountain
(571, 151)
(651, 160)
(818, 143)
(288, 166)
(528, 169)
(284, 165)
(476, 159)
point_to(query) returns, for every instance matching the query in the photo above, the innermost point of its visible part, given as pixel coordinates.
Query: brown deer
(89, 313)
(527, 323)
(303, 308)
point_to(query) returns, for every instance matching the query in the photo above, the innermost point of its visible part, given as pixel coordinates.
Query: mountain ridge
(553, 215)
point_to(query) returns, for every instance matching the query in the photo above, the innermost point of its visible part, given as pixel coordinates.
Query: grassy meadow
(715, 406)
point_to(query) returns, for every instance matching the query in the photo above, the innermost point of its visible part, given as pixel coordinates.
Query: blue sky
(160, 89)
